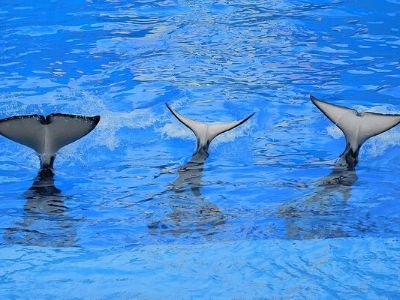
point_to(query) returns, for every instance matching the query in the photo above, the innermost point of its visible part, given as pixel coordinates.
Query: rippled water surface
(121, 221)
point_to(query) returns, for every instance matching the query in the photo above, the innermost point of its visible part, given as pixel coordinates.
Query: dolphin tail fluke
(205, 133)
(46, 135)
(357, 127)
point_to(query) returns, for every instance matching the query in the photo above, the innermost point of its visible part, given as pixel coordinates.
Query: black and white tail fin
(357, 127)
(46, 135)
(205, 133)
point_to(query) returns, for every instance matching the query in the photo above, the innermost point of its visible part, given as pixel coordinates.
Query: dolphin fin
(357, 127)
(46, 135)
(205, 133)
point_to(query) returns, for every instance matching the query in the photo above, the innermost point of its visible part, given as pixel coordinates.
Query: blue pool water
(259, 224)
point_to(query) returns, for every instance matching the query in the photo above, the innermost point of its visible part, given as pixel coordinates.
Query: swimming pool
(259, 224)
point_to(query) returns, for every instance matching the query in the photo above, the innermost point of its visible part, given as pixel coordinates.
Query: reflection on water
(191, 212)
(44, 220)
(190, 174)
(324, 213)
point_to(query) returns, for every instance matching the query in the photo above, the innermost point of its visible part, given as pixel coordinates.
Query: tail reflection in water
(324, 214)
(191, 212)
(44, 221)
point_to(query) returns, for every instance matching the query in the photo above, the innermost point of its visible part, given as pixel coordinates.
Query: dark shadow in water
(324, 214)
(44, 221)
(191, 212)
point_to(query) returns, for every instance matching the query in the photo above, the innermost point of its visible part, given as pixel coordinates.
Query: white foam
(334, 131)
(175, 130)
(106, 132)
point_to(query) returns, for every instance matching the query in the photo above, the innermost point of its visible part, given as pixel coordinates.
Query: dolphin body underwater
(44, 219)
(47, 135)
(324, 213)
(44, 201)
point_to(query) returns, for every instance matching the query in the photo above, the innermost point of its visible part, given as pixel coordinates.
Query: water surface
(118, 219)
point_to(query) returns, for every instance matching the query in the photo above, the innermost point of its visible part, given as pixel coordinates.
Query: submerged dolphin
(45, 221)
(205, 133)
(46, 135)
(325, 213)
(191, 212)
(356, 126)
(44, 201)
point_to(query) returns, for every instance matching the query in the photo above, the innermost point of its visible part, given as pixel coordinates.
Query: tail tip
(169, 107)
(313, 99)
(249, 116)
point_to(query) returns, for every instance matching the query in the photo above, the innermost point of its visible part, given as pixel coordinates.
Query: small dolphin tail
(205, 133)
(46, 135)
(357, 127)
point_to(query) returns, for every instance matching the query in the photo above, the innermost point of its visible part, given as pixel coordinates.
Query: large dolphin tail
(357, 127)
(46, 135)
(205, 133)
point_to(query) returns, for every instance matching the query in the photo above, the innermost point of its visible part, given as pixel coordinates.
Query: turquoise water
(256, 222)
